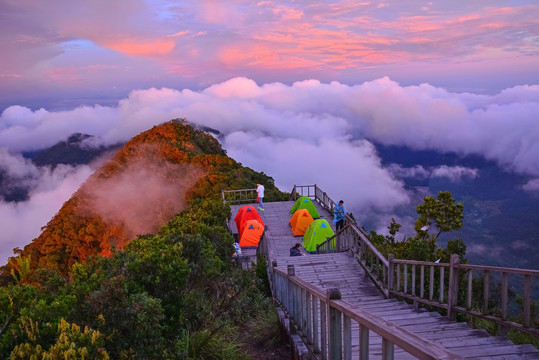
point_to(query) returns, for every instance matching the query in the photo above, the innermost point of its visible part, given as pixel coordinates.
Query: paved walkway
(341, 270)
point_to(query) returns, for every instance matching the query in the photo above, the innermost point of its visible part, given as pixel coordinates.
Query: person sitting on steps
(294, 251)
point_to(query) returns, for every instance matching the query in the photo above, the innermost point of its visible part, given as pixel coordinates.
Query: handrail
(333, 243)
(382, 271)
(325, 322)
(440, 288)
(238, 196)
(430, 283)
(353, 239)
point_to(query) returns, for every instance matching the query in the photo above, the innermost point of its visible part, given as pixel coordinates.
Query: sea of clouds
(305, 133)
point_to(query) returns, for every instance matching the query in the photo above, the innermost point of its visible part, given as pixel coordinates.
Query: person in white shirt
(260, 192)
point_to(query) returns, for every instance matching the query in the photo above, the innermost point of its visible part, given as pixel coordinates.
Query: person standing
(339, 213)
(260, 195)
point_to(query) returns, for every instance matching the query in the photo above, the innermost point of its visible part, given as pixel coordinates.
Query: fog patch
(143, 196)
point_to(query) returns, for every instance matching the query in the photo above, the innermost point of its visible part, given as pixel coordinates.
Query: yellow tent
(300, 221)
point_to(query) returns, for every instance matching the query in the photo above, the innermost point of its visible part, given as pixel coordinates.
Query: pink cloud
(145, 47)
(210, 41)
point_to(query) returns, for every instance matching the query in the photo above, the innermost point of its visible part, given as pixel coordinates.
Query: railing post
(316, 343)
(388, 349)
(291, 271)
(486, 285)
(527, 302)
(502, 329)
(323, 329)
(335, 325)
(309, 317)
(347, 337)
(273, 267)
(453, 287)
(363, 342)
(390, 274)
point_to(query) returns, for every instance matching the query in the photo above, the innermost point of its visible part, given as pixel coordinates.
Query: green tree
(443, 212)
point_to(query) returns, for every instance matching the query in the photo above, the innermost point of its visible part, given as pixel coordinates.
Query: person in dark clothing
(294, 251)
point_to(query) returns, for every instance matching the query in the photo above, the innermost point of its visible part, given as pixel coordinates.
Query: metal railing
(239, 196)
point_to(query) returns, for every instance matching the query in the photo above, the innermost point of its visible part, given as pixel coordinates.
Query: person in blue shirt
(339, 213)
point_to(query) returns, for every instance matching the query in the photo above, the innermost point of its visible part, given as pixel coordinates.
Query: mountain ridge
(149, 180)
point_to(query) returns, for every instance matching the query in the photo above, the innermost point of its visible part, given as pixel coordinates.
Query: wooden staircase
(424, 334)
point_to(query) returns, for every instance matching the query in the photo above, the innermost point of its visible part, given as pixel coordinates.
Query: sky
(291, 85)
(59, 53)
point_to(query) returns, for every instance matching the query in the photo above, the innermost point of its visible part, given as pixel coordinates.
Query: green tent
(305, 203)
(316, 234)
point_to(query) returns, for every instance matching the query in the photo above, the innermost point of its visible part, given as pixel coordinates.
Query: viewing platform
(346, 302)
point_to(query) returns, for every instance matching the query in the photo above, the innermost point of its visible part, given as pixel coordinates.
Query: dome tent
(316, 234)
(252, 231)
(305, 203)
(245, 213)
(300, 221)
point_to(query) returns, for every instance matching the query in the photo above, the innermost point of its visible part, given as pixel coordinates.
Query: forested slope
(136, 192)
(138, 263)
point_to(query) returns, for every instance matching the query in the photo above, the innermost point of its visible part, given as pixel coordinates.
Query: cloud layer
(310, 132)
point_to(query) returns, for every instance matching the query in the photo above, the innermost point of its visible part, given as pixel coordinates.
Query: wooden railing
(406, 278)
(239, 196)
(437, 284)
(336, 243)
(351, 238)
(325, 322)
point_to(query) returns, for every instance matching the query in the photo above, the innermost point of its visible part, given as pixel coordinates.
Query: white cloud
(417, 171)
(455, 173)
(307, 132)
(532, 185)
(345, 170)
(21, 222)
(16, 167)
(502, 127)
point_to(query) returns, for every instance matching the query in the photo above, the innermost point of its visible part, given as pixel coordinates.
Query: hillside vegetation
(149, 180)
(98, 284)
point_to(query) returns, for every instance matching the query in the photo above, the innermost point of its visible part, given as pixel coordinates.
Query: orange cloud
(64, 75)
(143, 47)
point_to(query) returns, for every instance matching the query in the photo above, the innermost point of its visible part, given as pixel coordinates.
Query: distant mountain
(501, 220)
(12, 190)
(146, 183)
(76, 149)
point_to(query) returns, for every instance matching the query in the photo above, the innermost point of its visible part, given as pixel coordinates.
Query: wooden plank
(479, 350)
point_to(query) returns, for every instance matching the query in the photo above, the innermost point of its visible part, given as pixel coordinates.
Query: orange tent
(251, 233)
(245, 213)
(300, 221)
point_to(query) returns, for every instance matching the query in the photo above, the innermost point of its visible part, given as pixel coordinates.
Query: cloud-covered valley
(307, 132)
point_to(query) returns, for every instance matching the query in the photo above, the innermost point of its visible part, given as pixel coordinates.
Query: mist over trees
(89, 288)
